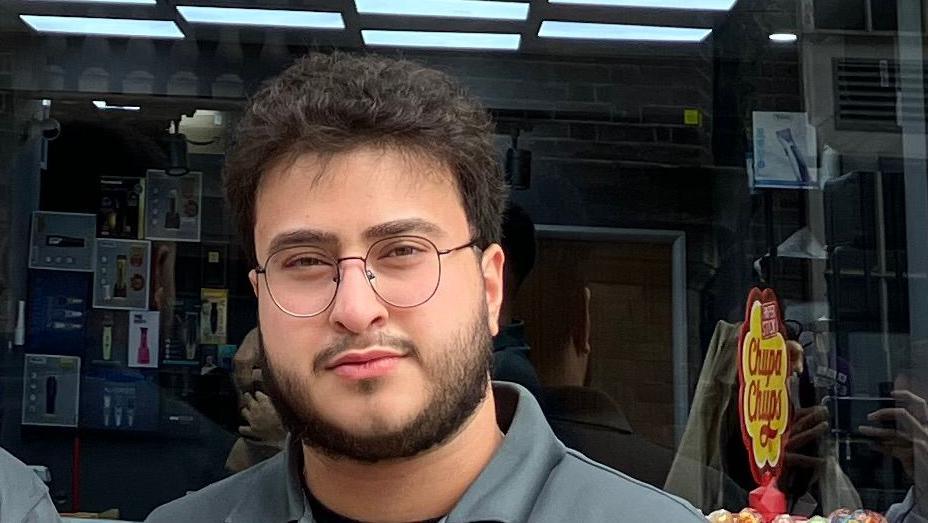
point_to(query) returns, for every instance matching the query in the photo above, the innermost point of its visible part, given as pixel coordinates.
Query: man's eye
(306, 261)
(404, 250)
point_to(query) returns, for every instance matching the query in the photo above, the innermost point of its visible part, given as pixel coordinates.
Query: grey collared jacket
(23, 497)
(532, 478)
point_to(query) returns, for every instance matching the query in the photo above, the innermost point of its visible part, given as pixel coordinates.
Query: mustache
(361, 342)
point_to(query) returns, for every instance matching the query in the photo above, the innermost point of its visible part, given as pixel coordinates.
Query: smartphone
(847, 413)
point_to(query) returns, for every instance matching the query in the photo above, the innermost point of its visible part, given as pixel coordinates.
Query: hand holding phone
(848, 413)
(904, 431)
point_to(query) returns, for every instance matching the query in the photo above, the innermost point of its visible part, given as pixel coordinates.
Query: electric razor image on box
(120, 288)
(793, 154)
(172, 218)
(51, 394)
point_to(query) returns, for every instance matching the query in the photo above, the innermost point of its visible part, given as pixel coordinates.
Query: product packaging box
(107, 338)
(785, 151)
(144, 347)
(215, 304)
(173, 206)
(62, 241)
(57, 311)
(119, 399)
(51, 389)
(121, 276)
(121, 209)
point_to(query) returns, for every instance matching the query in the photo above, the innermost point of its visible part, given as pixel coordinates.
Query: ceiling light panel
(137, 2)
(784, 37)
(441, 40)
(644, 33)
(261, 17)
(484, 9)
(102, 105)
(710, 5)
(79, 25)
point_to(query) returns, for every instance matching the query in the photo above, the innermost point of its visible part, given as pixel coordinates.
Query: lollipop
(721, 516)
(750, 515)
(783, 518)
(818, 519)
(842, 515)
(868, 516)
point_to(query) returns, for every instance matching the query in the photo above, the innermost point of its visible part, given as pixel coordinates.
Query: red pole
(76, 475)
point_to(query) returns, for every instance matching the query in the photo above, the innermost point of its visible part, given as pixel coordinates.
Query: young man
(368, 191)
(23, 496)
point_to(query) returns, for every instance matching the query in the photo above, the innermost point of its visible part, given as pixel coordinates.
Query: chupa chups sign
(763, 397)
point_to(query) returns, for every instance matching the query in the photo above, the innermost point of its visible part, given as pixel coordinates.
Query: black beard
(457, 385)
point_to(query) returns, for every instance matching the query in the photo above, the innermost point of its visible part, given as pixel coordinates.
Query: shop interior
(647, 148)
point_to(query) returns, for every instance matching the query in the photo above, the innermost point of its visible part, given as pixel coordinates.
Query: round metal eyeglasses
(403, 271)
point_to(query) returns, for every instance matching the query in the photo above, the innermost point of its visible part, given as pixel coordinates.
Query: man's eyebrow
(399, 227)
(316, 237)
(301, 237)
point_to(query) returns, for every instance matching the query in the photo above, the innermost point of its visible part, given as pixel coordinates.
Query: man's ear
(580, 328)
(492, 270)
(253, 278)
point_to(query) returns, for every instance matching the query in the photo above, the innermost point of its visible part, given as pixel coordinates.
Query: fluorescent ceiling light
(784, 37)
(591, 31)
(101, 104)
(446, 8)
(262, 17)
(712, 5)
(145, 2)
(103, 26)
(442, 40)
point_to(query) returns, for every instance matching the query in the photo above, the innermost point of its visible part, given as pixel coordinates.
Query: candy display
(857, 516)
(843, 515)
(747, 515)
(721, 516)
(750, 515)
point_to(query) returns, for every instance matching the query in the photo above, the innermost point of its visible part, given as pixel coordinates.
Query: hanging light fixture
(177, 151)
(518, 164)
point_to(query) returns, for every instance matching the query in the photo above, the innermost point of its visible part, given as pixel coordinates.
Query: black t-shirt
(323, 514)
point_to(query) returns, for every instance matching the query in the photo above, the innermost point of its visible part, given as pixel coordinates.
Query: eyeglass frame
(367, 273)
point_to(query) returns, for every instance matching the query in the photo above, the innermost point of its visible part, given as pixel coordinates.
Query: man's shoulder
(216, 501)
(23, 496)
(581, 486)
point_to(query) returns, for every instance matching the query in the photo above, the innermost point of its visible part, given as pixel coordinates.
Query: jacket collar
(505, 491)
(277, 494)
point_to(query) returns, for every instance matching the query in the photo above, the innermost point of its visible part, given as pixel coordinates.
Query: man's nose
(356, 307)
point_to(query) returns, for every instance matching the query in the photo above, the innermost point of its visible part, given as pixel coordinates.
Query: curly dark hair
(328, 104)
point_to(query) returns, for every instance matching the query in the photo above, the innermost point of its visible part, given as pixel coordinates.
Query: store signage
(763, 395)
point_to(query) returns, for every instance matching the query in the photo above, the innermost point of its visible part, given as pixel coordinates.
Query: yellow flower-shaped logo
(764, 363)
